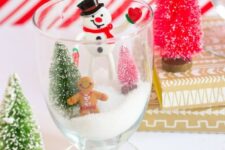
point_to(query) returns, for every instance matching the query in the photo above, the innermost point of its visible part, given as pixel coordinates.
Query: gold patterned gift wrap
(204, 84)
(211, 120)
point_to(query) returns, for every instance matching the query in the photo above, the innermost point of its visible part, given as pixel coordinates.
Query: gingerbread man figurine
(87, 97)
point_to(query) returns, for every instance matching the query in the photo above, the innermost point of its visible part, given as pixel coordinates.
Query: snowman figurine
(97, 26)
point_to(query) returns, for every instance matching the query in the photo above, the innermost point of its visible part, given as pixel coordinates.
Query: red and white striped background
(20, 12)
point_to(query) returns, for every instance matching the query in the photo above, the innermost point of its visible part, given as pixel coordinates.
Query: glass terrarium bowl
(96, 83)
(220, 9)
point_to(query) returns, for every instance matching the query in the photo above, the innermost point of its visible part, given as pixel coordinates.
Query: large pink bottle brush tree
(177, 33)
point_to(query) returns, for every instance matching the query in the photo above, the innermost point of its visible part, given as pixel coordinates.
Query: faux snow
(117, 115)
(8, 120)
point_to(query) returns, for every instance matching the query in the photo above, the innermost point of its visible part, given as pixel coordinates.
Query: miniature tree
(64, 76)
(177, 32)
(18, 130)
(127, 71)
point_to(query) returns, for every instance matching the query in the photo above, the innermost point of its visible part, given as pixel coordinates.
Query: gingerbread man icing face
(86, 84)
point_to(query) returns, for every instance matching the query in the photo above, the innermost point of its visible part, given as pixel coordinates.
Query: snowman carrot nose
(98, 19)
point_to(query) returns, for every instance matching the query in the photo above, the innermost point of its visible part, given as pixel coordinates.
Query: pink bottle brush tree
(177, 33)
(127, 71)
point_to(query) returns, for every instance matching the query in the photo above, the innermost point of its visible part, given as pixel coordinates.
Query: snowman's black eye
(101, 15)
(92, 16)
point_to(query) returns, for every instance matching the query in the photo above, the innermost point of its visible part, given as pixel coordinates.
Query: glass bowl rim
(111, 40)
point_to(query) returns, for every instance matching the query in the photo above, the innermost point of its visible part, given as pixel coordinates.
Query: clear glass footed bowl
(95, 66)
(220, 9)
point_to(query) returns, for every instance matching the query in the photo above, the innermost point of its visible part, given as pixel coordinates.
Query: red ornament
(127, 70)
(134, 14)
(76, 56)
(177, 28)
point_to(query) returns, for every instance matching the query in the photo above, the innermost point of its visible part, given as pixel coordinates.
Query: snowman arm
(121, 28)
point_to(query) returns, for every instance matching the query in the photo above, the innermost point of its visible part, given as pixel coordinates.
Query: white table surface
(17, 55)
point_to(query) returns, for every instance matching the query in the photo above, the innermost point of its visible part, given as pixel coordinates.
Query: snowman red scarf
(105, 30)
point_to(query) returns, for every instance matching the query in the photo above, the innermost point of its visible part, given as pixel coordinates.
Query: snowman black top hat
(89, 7)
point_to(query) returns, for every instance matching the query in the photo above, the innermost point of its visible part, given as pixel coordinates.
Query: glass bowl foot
(126, 146)
(72, 147)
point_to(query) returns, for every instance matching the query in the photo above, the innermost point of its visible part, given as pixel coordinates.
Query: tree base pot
(176, 65)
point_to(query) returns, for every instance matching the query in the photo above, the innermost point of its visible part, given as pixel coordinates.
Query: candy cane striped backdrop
(20, 12)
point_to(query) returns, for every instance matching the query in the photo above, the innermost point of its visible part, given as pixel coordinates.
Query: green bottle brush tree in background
(18, 130)
(64, 76)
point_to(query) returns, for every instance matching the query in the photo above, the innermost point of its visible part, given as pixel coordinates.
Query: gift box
(211, 72)
(210, 120)
(204, 84)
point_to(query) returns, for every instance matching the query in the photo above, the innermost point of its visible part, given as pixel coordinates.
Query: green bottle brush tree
(64, 76)
(18, 130)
